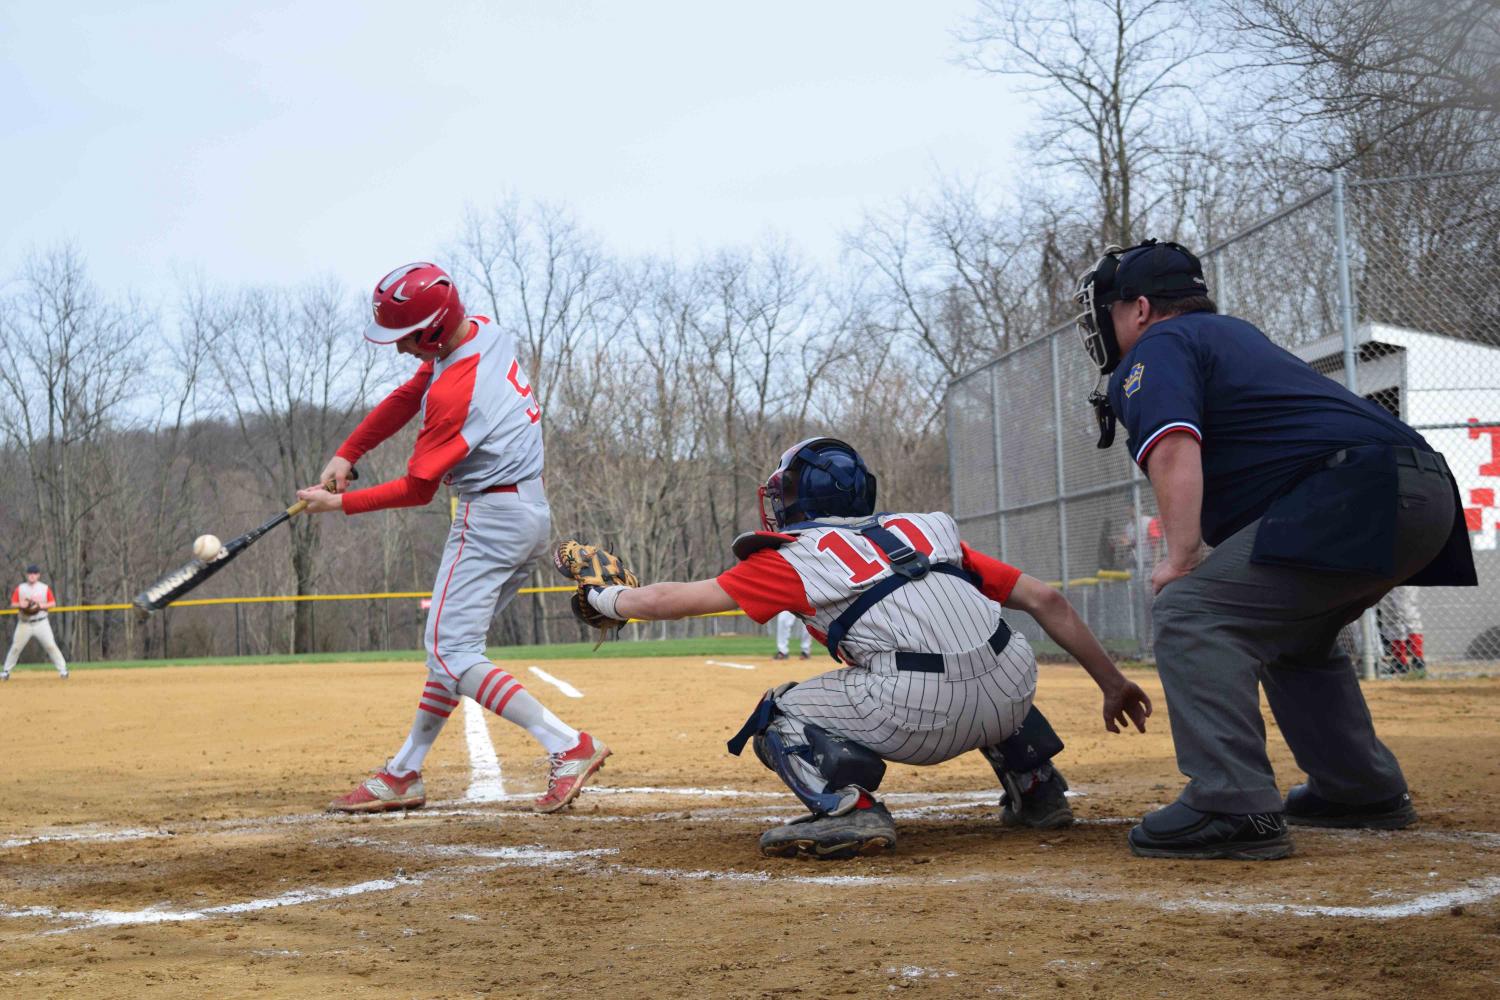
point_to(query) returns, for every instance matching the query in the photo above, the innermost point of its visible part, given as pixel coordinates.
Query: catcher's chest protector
(937, 613)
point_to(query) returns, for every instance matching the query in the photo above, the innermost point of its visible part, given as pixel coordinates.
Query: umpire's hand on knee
(1169, 570)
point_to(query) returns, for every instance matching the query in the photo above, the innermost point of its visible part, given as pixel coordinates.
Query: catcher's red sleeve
(996, 579)
(765, 585)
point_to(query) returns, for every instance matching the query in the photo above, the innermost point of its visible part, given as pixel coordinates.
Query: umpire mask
(1096, 291)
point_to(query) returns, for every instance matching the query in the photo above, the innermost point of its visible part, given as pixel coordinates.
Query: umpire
(1316, 503)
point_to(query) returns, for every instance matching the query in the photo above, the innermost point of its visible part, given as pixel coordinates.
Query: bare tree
(1112, 79)
(1332, 61)
(545, 280)
(295, 378)
(70, 364)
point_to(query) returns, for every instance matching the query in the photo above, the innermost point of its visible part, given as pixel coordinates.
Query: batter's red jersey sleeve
(389, 416)
(440, 443)
(996, 579)
(765, 585)
(403, 492)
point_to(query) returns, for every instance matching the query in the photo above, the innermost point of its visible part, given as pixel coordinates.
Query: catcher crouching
(928, 668)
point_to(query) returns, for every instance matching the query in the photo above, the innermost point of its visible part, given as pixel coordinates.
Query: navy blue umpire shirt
(1265, 419)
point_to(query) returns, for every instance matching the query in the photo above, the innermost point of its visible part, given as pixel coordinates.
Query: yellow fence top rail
(407, 595)
(282, 598)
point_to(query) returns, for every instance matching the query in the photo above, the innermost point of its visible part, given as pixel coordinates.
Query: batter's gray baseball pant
(1231, 626)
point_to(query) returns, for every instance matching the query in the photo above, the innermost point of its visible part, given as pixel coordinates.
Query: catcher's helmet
(418, 301)
(1156, 270)
(819, 477)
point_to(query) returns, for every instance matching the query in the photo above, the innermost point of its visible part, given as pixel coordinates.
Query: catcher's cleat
(1034, 801)
(1303, 808)
(383, 792)
(570, 771)
(832, 838)
(1180, 831)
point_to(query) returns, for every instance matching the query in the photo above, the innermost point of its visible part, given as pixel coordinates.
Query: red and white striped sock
(433, 709)
(502, 694)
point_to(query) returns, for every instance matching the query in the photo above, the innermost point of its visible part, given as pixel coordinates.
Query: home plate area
(651, 884)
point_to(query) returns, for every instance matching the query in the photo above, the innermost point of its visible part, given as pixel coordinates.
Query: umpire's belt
(1412, 458)
(932, 663)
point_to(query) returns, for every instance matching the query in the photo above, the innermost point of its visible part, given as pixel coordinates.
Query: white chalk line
(726, 663)
(86, 919)
(485, 781)
(80, 836)
(1471, 892)
(563, 686)
(917, 805)
(533, 856)
(589, 862)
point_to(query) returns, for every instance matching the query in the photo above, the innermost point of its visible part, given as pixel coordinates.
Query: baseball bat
(170, 586)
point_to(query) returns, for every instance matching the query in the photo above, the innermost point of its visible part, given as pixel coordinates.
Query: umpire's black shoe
(831, 838)
(1180, 831)
(1304, 808)
(1031, 800)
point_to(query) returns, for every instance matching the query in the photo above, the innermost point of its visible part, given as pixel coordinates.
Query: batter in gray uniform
(929, 668)
(480, 434)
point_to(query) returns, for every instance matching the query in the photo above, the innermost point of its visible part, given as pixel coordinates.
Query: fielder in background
(481, 434)
(928, 667)
(31, 601)
(1317, 503)
(788, 624)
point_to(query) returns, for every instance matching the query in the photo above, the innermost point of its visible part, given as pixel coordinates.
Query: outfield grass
(720, 646)
(727, 645)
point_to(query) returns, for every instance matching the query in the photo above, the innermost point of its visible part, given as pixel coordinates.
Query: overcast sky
(274, 142)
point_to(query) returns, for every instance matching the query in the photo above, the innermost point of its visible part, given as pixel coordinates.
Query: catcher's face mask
(780, 490)
(837, 483)
(1096, 291)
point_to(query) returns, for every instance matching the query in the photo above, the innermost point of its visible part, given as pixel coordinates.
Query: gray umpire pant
(1231, 625)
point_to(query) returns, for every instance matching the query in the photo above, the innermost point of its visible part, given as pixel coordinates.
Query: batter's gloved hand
(593, 569)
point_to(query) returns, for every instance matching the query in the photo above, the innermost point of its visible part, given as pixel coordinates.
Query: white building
(1449, 391)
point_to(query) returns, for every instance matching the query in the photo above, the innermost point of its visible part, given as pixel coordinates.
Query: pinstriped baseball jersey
(819, 571)
(913, 716)
(481, 425)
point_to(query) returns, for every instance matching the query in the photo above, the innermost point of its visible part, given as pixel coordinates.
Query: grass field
(162, 833)
(721, 645)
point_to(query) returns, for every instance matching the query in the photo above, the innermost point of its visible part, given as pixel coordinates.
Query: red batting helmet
(415, 300)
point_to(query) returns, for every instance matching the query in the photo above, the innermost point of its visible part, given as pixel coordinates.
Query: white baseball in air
(207, 547)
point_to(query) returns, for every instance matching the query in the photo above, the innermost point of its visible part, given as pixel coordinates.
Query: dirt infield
(160, 835)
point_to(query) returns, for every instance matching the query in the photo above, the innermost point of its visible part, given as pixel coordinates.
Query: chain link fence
(1391, 286)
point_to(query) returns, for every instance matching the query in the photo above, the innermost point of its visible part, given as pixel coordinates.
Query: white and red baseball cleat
(570, 770)
(381, 792)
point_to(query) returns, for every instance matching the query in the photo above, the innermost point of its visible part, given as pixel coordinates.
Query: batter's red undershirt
(440, 443)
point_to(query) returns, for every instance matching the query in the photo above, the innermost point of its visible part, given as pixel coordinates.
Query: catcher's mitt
(592, 567)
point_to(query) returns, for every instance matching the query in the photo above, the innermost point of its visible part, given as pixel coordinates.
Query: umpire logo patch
(1133, 380)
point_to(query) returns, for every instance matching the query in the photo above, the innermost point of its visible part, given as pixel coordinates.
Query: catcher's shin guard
(828, 773)
(1028, 748)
